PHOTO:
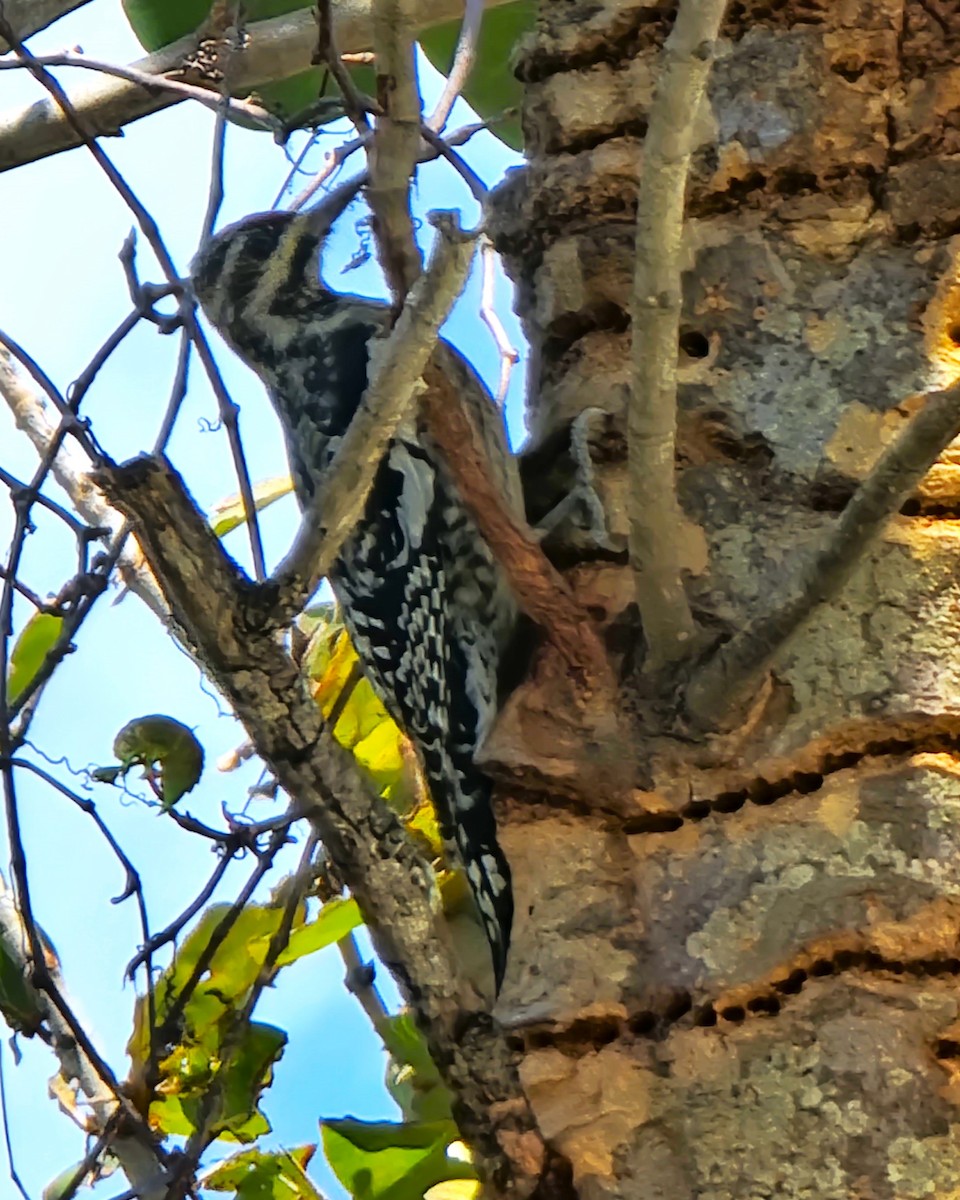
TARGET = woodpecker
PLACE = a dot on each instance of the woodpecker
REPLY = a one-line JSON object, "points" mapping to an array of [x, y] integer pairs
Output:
{"points": [[425, 601]]}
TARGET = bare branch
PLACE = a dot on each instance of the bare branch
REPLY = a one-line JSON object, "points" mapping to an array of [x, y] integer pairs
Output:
{"points": [[71, 471], [736, 666], [395, 147], [251, 113], [393, 387], [463, 59], [509, 355], [327, 53], [654, 511], [273, 49]]}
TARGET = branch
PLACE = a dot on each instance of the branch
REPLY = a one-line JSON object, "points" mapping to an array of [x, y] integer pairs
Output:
{"points": [[654, 511], [339, 504], [273, 49], [140, 1160], [463, 59], [726, 677], [71, 472], [30, 16], [217, 608], [395, 146], [250, 112]]}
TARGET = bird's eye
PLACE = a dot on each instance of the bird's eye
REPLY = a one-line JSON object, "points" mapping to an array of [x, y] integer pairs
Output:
{"points": [[262, 241]]}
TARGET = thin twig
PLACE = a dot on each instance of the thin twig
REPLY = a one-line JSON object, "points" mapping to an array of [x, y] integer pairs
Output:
{"points": [[218, 935], [228, 410], [390, 394], [278, 47], [79, 528], [239, 1024], [30, 416], [141, 1158], [459, 164], [736, 666], [86, 1165], [655, 517], [359, 979], [251, 113], [178, 392], [327, 53], [463, 59], [7, 1141], [509, 355]]}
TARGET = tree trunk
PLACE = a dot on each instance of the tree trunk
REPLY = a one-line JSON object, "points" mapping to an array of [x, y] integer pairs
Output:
{"points": [[735, 964]]}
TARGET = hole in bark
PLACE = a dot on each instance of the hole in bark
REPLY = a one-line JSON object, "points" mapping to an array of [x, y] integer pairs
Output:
{"points": [[848, 71], [707, 1015], [696, 810], [728, 802], [694, 344], [823, 966], [652, 822], [947, 1048], [953, 333], [735, 1012], [679, 1006], [807, 781], [793, 182], [792, 984], [764, 1004], [845, 959], [643, 1023]]}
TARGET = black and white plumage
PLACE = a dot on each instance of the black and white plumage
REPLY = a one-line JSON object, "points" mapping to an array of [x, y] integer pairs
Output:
{"points": [[423, 598]]}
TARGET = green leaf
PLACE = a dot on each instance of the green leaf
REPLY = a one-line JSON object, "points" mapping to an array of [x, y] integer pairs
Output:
{"points": [[19, 1003], [412, 1077], [239, 1070], [382, 1160], [206, 1050], [492, 86], [227, 514], [237, 960], [336, 919], [36, 640], [149, 741], [156, 23], [58, 1186], [260, 1175]]}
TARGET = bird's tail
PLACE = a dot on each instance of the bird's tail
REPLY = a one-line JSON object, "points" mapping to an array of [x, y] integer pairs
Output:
{"points": [[462, 796]]}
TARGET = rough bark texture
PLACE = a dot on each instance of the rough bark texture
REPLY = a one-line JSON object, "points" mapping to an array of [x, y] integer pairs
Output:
{"points": [[735, 969]]}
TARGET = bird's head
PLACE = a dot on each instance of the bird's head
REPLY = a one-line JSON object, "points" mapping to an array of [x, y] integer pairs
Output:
{"points": [[241, 270]]}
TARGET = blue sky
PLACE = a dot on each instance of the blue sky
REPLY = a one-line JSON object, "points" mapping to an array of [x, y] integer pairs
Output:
{"points": [[63, 292]]}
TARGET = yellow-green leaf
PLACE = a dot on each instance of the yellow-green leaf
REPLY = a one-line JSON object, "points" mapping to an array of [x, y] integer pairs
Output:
{"points": [[336, 919], [261, 1175], [382, 1160], [227, 514], [36, 640]]}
